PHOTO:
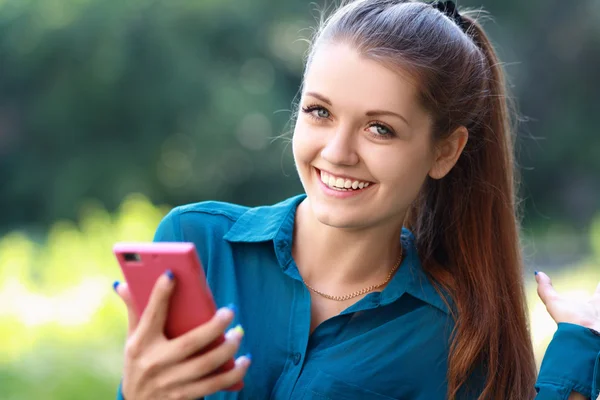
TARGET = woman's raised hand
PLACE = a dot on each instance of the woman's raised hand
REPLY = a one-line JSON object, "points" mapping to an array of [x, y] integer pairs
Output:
{"points": [[159, 368], [562, 309]]}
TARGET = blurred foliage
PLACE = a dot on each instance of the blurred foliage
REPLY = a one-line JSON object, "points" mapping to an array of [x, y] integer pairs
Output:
{"points": [[173, 99], [63, 328]]}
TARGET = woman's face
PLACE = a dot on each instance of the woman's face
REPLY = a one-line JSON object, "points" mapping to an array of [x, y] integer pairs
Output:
{"points": [[362, 142]]}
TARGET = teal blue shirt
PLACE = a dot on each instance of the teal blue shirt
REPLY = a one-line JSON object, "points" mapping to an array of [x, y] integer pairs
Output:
{"points": [[389, 345]]}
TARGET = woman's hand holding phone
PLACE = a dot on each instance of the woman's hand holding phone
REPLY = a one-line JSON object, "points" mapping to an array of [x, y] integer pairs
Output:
{"points": [[156, 367]]}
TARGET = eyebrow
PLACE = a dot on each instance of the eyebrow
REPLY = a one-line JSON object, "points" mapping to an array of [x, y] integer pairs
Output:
{"points": [[371, 113]]}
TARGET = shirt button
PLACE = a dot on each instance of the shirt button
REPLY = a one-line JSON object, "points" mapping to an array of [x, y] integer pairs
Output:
{"points": [[297, 358]]}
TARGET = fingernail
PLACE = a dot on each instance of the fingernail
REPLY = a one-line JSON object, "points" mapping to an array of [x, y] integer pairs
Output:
{"points": [[238, 332], [223, 313], [244, 361], [169, 274], [536, 272], [116, 285], [239, 329], [233, 308]]}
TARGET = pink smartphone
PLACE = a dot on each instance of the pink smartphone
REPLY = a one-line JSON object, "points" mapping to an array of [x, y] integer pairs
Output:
{"points": [[191, 303]]}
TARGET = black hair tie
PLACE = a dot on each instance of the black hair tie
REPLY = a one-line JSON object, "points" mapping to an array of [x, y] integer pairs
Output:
{"points": [[449, 9]]}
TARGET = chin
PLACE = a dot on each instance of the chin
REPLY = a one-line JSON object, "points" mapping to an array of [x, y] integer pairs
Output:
{"points": [[339, 223], [338, 218]]}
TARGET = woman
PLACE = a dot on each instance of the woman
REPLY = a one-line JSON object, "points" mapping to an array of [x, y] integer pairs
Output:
{"points": [[398, 274]]}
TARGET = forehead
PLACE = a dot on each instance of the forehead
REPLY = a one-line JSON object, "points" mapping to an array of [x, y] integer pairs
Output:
{"points": [[349, 79]]}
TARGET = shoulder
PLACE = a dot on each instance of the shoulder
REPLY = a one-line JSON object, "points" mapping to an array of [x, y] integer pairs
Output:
{"points": [[198, 218], [216, 219], [218, 229], [209, 211]]}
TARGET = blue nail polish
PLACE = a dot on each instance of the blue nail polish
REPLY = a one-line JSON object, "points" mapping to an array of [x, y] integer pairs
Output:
{"points": [[233, 308], [116, 285], [248, 356], [169, 273], [536, 272]]}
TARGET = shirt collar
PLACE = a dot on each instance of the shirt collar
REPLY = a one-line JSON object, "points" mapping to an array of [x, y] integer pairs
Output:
{"points": [[276, 223], [261, 224], [412, 279]]}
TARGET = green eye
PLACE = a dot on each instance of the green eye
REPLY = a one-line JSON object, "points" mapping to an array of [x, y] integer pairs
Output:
{"points": [[322, 113], [380, 130], [317, 112]]}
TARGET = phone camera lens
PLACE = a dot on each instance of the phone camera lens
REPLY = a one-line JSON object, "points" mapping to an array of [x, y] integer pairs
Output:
{"points": [[132, 257]]}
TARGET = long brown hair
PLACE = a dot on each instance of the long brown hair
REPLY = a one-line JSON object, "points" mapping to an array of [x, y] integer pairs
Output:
{"points": [[466, 224]]}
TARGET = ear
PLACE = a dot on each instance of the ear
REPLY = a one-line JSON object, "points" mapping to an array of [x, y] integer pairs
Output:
{"points": [[447, 152]]}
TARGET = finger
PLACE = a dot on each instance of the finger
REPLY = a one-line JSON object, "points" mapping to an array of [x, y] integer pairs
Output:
{"points": [[200, 337], [218, 382], [132, 317], [206, 364], [545, 290], [155, 314]]}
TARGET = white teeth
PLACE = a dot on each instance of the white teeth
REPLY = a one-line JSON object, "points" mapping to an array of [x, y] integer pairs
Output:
{"points": [[341, 183]]}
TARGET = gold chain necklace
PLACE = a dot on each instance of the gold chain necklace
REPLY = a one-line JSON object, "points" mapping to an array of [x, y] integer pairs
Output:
{"points": [[362, 291]]}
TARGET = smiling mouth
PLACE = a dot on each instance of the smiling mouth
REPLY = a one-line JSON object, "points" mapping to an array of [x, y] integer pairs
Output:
{"points": [[340, 183]]}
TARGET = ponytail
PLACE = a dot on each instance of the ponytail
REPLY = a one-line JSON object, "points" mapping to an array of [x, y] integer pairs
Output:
{"points": [[468, 237]]}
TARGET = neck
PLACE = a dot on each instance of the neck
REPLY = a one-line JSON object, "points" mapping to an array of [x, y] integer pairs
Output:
{"points": [[334, 257]]}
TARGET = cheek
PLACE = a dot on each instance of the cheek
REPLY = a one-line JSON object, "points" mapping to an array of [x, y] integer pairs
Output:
{"points": [[297, 147], [304, 146], [407, 169]]}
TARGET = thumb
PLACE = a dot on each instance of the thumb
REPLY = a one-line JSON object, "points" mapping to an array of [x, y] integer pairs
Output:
{"points": [[155, 313], [545, 289], [132, 317]]}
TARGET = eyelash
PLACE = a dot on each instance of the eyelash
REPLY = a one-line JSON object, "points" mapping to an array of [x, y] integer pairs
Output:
{"points": [[308, 110]]}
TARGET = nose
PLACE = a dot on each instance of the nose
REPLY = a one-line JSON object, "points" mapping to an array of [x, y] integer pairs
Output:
{"points": [[340, 148]]}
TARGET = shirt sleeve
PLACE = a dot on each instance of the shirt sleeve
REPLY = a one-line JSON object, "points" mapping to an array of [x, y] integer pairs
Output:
{"points": [[571, 363]]}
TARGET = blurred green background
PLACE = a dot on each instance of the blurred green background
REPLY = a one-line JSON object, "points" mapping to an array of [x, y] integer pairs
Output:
{"points": [[111, 112]]}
